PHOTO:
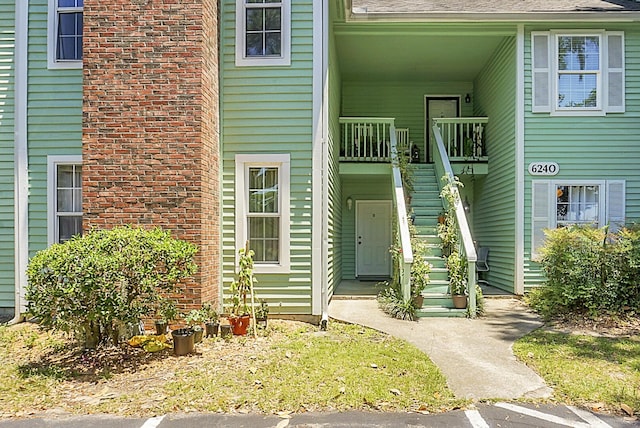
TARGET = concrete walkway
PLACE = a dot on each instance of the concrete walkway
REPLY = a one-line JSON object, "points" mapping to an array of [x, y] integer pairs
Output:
{"points": [[475, 355]]}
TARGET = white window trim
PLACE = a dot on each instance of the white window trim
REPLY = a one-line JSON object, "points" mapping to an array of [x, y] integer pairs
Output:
{"points": [[243, 162], [284, 59], [598, 110], [52, 164], [52, 38]]}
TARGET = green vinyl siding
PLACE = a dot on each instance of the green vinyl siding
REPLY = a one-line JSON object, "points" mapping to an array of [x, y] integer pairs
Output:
{"points": [[493, 209], [268, 109], [7, 115], [586, 147], [335, 191], [54, 120]]}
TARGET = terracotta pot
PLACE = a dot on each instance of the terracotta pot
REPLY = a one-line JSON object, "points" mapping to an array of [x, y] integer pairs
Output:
{"points": [[459, 301], [240, 324]]}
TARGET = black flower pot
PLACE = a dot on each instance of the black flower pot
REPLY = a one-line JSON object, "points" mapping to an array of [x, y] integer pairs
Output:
{"points": [[183, 343], [161, 328], [211, 329]]}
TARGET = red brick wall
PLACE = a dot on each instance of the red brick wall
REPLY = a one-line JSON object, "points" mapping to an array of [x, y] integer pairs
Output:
{"points": [[150, 124]]}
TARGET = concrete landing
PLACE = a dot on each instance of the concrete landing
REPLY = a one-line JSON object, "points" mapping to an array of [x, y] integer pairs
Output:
{"points": [[475, 355]]}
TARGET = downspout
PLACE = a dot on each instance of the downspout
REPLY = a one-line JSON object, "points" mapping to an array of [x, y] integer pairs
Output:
{"points": [[324, 297], [21, 167]]}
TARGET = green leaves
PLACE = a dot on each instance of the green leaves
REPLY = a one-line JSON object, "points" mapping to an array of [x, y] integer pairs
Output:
{"points": [[92, 284], [589, 270]]}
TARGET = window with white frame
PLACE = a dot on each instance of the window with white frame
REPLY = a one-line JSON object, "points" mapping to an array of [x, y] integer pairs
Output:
{"points": [[263, 32], [64, 197], [563, 203], [262, 209], [578, 73], [65, 33]]}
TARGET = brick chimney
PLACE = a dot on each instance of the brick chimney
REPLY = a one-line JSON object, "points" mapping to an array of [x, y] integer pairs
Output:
{"points": [[150, 124]]}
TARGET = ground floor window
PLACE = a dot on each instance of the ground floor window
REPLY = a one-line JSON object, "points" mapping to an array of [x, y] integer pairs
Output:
{"points": [[561, 203], [64, 197], [262, 209], [578, 204]]}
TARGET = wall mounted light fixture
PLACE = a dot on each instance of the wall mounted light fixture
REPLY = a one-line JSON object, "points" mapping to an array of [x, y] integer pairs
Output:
{"points": [[349, 203], [467, 98]]}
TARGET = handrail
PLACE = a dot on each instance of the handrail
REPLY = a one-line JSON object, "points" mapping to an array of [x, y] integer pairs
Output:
{"points": [[463, 137], [443, 168], [402, 223]]}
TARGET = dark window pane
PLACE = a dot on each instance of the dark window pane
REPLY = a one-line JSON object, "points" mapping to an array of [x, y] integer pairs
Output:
{"points": [[272, 19], [70, 3], [65, 176], [272, 227], [271, 251], [272, 44], [69, 226], [65, 200], [254, 45], [255, 19]]}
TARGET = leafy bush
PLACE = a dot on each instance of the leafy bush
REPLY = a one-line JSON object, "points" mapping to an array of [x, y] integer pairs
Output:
{"points": [[96, 284], [589, 270]]}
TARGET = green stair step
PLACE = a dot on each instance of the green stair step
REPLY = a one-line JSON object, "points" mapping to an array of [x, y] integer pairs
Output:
{"points": [[441, 313]]}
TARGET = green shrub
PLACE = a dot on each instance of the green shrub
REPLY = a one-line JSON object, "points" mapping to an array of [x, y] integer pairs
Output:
{"points": [[589, 270], [94, 285]]}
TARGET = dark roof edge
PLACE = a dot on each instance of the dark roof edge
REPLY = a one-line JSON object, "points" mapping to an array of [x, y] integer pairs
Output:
{"points": [[625, 16]]}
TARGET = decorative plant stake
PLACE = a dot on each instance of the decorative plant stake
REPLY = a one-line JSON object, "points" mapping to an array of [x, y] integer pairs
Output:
{"points": [[243, 286]]}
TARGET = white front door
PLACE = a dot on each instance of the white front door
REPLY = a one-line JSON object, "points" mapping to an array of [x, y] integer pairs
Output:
{"points": [[439, 107], [373, 238]]}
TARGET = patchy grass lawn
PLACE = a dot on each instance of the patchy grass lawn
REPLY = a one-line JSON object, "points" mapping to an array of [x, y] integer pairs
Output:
{"points": [[601, 373], [293, 368]]}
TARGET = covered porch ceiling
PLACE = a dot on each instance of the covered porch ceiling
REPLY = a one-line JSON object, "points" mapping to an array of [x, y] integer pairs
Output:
{"points": [[408, 53]]}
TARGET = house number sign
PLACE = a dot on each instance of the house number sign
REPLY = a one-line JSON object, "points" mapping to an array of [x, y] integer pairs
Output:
{"points": [[543, 168]]}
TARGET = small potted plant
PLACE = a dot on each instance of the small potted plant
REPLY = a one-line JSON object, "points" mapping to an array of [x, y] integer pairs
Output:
{"points": [[240, 289], [457, 267], [194, 320], [166, 312], [211, 320], [262, 313]]}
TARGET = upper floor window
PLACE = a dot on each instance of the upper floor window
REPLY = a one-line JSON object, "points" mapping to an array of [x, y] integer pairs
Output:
{"points": [[64, 197], [262, 32], [65, 33], [578, 67], [578, 73]]}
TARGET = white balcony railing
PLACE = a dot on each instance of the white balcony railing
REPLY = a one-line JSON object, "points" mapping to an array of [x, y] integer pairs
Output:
{"points": [[365, 139], [463, 137]]}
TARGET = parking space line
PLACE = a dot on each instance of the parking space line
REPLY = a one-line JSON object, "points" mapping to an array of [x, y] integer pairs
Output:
{"points": [[475, 418], [544, 416], [153, 422], [589, 417]]}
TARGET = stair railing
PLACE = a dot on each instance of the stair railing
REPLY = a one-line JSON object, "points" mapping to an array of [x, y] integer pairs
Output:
{"points": [[402, 223], [443, 168]]}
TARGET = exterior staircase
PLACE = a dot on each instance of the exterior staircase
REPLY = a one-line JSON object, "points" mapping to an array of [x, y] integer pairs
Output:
{"points": [[427, 205]]}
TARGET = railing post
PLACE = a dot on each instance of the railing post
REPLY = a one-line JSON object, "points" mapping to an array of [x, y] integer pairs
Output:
{"points": [[471, 288]]}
